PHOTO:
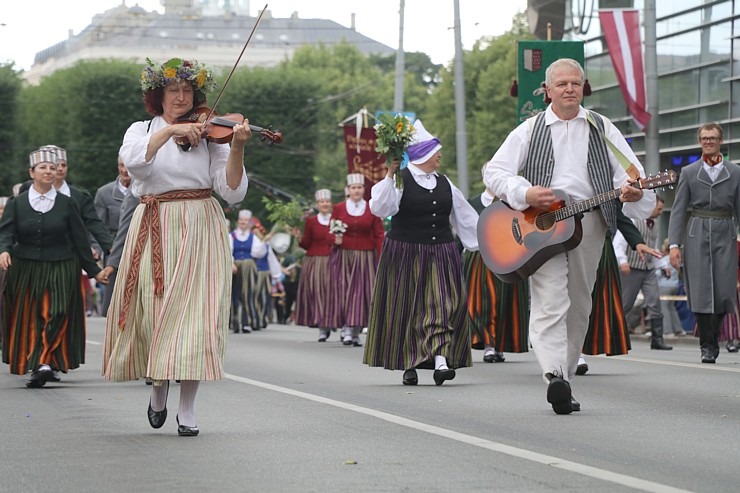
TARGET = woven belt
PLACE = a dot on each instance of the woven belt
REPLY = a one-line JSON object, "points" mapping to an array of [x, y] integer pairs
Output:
{"points": [[712, 214], [150, 225]]}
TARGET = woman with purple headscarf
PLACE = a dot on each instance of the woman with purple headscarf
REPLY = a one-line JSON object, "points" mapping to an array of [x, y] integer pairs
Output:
{"points": [[418, 310]]}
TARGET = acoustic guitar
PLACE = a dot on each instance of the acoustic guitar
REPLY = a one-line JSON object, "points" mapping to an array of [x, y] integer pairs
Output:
{"points": [[514, 244]]}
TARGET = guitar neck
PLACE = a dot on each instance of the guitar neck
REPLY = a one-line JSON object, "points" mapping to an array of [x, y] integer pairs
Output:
{"points": [[581, 206]]}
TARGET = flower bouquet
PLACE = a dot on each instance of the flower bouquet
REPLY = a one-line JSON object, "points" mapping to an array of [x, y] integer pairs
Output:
{"points": [[337, 227], [392, 136], [290, 214]]}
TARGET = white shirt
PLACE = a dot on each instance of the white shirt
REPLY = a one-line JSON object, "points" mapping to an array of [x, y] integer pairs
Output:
{"points": [[42, 202], [570, 173], [356, 209], [173, 169], [64, 189], [324, 219], [259, 247], [124, 190], [486, 198], [713, 171], [386, 199]]}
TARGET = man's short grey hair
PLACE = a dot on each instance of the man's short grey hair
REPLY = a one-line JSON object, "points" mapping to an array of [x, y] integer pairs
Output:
{"points": [[562, 63]]}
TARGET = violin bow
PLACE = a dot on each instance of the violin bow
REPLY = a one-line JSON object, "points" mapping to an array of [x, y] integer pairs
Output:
{"points": [[226, 83]]}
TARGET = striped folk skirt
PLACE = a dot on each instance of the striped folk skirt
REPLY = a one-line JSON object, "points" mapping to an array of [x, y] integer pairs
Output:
{"points": [[44, 316], [182, 333], [498, 312], [313, 292], [243, 310], [418, 308], [262, 300], [607, 328], [351, 280], [730, 329]]}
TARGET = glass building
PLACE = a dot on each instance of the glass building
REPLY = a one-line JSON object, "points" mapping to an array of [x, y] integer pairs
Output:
{"points": [[698, 75]]}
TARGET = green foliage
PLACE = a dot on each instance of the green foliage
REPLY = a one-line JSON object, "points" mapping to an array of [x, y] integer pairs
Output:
{"points": [[12, 160], [291, 213]]}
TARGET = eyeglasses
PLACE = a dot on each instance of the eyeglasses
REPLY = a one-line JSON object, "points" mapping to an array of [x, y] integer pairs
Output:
{"points": [[709, 139]]}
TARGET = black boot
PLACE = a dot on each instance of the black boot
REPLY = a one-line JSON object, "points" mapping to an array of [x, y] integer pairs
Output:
{"points": [[707, 337], [656, 337]]}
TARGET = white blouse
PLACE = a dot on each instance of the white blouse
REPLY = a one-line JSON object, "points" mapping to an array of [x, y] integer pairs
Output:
{"points": [[171, 168]]}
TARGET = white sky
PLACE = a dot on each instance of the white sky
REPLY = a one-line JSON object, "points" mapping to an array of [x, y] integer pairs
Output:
{"points": [[32, 25]]}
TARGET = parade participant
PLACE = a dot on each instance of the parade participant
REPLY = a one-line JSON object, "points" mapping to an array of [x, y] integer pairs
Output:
{"points": [[418, 317], [638, 275], [245, 248], [498, 312], [3, 201], [703, 223], [108, 201], [562, 148], [268, 273], [43, 246], [352, 262], [101, 240], [169, 315], [313, 284]]}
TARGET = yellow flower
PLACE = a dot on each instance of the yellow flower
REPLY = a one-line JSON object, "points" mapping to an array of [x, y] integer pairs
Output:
{"points": [[201, 78], [399, 127], [170, 73]]}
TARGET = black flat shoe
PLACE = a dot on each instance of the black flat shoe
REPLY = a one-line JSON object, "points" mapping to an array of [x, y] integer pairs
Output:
{"points": [[55, 376], [576, 405], [558, 395], [582, 369], [186, 431], [441, 375], [731, 347], [410, 377], [157, 418], [493, 357]]}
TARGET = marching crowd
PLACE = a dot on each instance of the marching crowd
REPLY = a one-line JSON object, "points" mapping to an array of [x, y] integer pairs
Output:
{"points": [[177, 277]]}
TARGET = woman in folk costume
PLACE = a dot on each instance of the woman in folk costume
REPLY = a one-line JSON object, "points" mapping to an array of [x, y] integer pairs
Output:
{"points": [[498, 312], [43, 245], [169, 316], [245, 248], [418, 317], [313, 285], [352, 262], [268, 272]]}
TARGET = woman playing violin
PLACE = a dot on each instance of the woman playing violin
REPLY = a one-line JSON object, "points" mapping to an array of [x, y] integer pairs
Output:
{"points": [[169, 315]]}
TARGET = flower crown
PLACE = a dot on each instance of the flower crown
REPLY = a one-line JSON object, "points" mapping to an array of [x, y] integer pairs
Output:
{"points": [[198, 75]]}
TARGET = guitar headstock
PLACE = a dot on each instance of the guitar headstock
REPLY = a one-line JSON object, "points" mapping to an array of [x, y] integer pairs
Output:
{"points": [[662, 179]]}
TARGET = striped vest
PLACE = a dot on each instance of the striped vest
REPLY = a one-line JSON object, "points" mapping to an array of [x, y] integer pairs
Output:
{"points": [[540, 164], [650, 235]]}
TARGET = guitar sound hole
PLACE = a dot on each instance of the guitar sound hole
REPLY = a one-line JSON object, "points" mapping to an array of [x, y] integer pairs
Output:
{"points": [[544, 221]]}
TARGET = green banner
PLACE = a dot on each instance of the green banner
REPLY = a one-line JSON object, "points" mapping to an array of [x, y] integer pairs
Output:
{"points": [[533, 58]]}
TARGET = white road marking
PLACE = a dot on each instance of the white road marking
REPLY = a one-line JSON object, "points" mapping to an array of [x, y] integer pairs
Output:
{"points": [[703, 366], [548, 460]]}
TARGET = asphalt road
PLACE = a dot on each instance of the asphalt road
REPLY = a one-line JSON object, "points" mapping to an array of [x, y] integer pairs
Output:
{"points": [[295, 415]]}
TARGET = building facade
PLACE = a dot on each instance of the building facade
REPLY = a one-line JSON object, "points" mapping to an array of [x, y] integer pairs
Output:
{"points": [[212, 30]]}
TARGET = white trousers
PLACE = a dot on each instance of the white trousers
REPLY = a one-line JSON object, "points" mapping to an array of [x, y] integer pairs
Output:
{"points": [[561, 300]]}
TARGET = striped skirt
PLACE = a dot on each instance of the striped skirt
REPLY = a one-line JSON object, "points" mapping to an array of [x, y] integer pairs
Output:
{"points": [[44, 316], [730, 330], [313, 292], [243, 310], [182, 333], [351, 280], [418, 308], [498, 312], [262, 300], [607, 328]]}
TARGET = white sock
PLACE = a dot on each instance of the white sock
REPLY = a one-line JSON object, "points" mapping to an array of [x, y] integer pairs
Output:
{"points": [[440, 363], [159, 394], [186, 411]]}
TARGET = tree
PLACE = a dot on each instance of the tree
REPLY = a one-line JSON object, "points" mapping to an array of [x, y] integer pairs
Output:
{"points": [[12, 158]]}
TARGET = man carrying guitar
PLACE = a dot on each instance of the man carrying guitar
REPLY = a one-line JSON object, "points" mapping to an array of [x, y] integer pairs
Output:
{"points": [[564, 153]]}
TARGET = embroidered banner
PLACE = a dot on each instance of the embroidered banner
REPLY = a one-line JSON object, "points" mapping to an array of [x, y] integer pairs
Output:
{"points": [[362, 157]]}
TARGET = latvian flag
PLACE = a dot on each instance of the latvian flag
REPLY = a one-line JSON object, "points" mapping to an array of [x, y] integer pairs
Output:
{"points": [[622, 33]]}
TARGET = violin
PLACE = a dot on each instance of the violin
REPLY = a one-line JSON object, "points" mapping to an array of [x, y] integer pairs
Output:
{"points": [[220, 128]]}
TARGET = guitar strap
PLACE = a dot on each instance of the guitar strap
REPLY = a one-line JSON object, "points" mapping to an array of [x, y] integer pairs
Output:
{"points": [[630, 168]]}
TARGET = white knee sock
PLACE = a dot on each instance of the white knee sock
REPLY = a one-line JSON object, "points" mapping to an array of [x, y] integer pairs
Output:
{"points": [[186, 411], [440, 363], [159, 395]]}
